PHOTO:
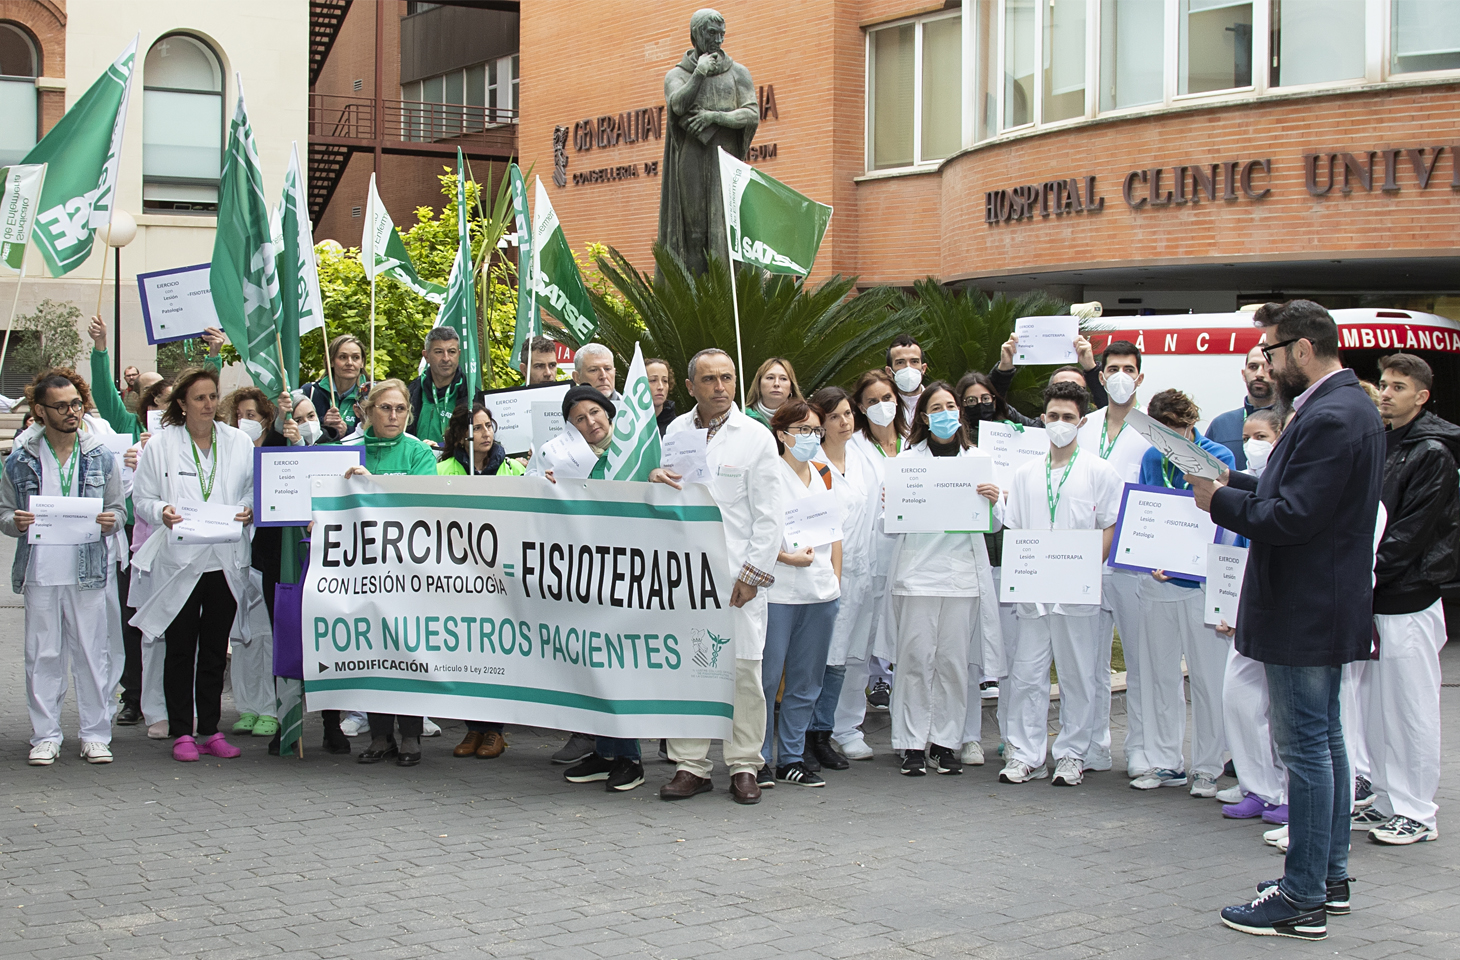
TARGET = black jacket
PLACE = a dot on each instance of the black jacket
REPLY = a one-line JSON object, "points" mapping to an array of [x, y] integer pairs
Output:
{"points": [[1308, 597], [666, 416], [1422, 496], [318, 393], [458, 392], [1004, 379]]}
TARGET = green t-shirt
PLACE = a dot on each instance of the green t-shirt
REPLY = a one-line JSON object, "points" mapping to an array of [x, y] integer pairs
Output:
{"points": [[436, 409], [402, 455]]}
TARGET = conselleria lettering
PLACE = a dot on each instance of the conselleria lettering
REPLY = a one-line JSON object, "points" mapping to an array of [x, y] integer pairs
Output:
{"points": [[579, 573]]}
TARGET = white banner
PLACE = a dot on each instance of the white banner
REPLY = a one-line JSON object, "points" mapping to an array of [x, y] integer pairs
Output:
{"points": [[593, 606]]}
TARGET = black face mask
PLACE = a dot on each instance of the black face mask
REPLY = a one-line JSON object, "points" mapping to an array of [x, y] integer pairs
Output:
{"points": [[974, 412]]}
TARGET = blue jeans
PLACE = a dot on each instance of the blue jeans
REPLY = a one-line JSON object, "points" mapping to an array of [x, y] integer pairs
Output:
{"points": [[611, 748], [823, 718], [1309, 737], [797, 637]]}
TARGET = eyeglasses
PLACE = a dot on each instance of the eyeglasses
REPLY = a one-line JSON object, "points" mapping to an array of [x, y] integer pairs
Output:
{"points": [[398, 409], [976, 402], [75, 406], [1267, 350], [805, 431]]}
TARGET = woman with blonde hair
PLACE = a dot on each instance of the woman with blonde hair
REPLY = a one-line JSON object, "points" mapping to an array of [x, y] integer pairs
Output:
{"points": [[774, 384]]}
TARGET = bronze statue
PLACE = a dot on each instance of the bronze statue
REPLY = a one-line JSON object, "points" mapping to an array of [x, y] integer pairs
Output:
{"points": [[711, 104]]}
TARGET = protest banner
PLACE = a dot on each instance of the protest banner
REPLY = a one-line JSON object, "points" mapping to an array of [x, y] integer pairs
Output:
{"points": [[592, 605]]}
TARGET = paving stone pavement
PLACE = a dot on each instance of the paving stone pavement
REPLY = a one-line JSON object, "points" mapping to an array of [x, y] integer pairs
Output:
{"points": [[324, 858]]}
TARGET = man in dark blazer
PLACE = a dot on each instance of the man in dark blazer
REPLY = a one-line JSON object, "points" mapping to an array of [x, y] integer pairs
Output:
{"points": [[1307, 600]]}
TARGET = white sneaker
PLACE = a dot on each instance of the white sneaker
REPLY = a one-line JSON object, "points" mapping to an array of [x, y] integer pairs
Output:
{"points": [[1016, 772], [428, 728], [1273, 837], [44, 753], [972, 754], [856, 749], [1400, 831], [1282, 845], [352, 727], [1154, 778], [1067, 773], [1232, 794], [1203, 786], [1099, 764], [95, 752], [157, 731]]}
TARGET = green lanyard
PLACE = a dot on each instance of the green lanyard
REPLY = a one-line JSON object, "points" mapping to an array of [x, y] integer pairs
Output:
{"points": [[1167, 479], [1106, 448], [437, 398], [1049, 489], [207, 488], [65, 478]]}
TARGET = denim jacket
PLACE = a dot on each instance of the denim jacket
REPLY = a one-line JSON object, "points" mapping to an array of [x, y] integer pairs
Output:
{"points": [[97, 476]]}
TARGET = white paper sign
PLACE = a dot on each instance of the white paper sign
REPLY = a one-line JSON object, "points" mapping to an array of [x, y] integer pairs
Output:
{"points": [[684, 453], [547, 422], [1051, 566], [813, 521], [568, 456], [513, 412], [177, 304], [1046, 340], [207, 522], [1162, 529], [1225, 568], [154, 422], [1184, 454], [281, 480], [937, 494], [65, 520], [119, 444], [1011, 448]]}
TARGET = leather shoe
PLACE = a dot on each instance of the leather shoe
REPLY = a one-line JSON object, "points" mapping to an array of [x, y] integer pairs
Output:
{"points": [[493, 744], [376, 753], [684, 785], [129, 715], [469, 745], [818, 744], [744, 789]]}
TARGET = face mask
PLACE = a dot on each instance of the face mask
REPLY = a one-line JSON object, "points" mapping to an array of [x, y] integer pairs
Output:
{"points": [[943, 423], [1257, 453], [252, 428], [1061, 434], [309, 432], [983, 410], [882, 413], [908, 379], [807, 446], [1120, 386]]}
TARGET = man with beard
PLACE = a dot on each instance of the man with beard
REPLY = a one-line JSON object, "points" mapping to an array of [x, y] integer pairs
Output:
{"points": [[1227, 428], [1307, 600]]}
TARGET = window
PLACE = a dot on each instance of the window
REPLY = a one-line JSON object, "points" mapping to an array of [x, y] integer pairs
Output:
{"points": [[1019, 60], [892, 96], [1317, 41], [484, 94], [502, 89], [1132, 53], [916, 97], [1064, 60], [1215, 45], [986, 72], [182, 125], [1424, 35], [19, 65], [942, 111]]}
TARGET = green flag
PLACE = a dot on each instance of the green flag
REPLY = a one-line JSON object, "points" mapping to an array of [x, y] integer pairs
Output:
{"points": [[289, 701], [557, 284], [20, 192], [383, 251], [635, 450], [769, 225], [244, 274], [82, 152], [301, 309], [529, 322], [459, 309]]}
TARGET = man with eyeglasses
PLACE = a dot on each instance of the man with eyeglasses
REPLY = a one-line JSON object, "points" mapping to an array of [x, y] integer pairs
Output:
{"points": [[1226, 428], [65, 582], [1307, 600]]}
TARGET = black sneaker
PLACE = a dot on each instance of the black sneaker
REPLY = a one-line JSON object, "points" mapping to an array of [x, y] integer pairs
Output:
{"points": [[1363, 792], [595, 767], [943, 760], [1271, 915], [764, 778], [1335, 900], [624, 774], [129, 716], [818, 745], [664, 752], [798, 774], [914, 764], [879, 695]]}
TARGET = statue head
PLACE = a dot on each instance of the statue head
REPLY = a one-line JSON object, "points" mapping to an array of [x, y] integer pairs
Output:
{"points": [[707, 30]]}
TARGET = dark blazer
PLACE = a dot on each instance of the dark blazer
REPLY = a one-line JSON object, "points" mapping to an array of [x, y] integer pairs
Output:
{"points": [[1307, 597]]}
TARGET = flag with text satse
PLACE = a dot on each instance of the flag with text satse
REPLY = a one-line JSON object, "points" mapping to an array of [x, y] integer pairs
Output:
{"points": [[529, 322], [244, 274], [635, 451], [770, 225], [20, 192], [557, 283], [459, 308], [82, 152], [383, 251], [301, 308]]}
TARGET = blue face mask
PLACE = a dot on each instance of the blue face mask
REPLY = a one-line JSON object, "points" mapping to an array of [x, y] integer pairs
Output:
{"points": [[943, 423], [807, 446]]}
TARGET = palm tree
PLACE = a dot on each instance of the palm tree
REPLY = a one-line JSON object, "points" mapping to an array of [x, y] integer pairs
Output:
{"points": [[963, 330], [827, 334]]}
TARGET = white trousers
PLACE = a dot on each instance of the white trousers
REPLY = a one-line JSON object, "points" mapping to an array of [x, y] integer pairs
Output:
{"points": [[851, 706], [154, 700], [1171, 630], [66, 632], [116, 648], [973, 721], [253, 676], [1074, 643], [1120, 612], [1246, 711], [1351, 716], [1401, 696], [930, 685], [742, 750]]}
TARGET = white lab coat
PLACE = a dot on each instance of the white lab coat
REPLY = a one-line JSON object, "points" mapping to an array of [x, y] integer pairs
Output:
{"points": [[743, 462], [859, 491]]}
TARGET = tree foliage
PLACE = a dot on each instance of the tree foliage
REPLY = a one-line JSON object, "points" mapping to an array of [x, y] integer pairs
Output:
{"points": [[56, 341]]}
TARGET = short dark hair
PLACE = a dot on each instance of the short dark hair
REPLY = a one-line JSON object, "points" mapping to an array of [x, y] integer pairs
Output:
{"points": [[920, 430], [439, 333], [1174, 409], [261, 400], [904, 340], [1408, 365], [1072, 392], [1301, 320], [794, 410], [1120, 348], [537, 345]]}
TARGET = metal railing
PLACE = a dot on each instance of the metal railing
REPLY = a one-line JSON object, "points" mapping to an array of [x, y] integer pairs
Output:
{"points": [[407, 121]]}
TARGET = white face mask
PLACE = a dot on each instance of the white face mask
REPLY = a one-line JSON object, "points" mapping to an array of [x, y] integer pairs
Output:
{"points": [[253, 428], [309, 432], [1120, 386], [882, 413], [908, 379], [1257, 452], [1061, 434]]}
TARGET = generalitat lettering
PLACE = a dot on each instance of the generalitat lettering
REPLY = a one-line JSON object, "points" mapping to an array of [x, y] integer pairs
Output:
{"points": [[617, 576]]}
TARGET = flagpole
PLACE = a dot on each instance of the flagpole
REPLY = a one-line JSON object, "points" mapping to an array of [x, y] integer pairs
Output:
{"points": [[735, 303], [101, 288], [370, 374], [329, 368], [10, 326]]}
